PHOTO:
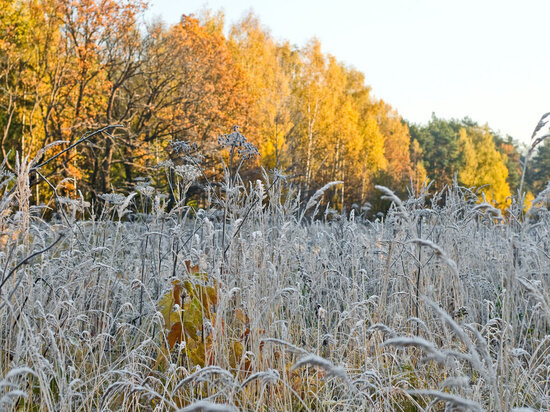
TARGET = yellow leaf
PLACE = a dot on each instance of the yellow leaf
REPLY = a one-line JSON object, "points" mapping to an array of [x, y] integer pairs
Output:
{"points": [[235, 354], [166, 304], [240, 315], [196, 352], [192, 318], [176, 316]]}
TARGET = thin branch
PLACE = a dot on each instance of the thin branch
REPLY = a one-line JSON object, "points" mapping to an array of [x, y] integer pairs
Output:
{"points": [[83, 139], [26, 260]]}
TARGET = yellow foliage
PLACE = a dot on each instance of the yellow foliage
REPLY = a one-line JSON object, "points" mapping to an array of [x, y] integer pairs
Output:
{"points": [[484, 165], [373, 145], [528, 201]]}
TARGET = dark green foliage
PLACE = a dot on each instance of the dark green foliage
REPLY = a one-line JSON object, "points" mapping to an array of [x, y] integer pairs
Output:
{"points": [[539, 169], [440, 147]]}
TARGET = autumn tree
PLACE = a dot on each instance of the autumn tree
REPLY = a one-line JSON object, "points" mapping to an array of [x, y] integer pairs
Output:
{"points": [[483, 164], [340, 132], [103, 42], [191, 89], [69, 67], [26, 39], [62, 85], [397, 141], [268, 67], [371, 157], [310, 114]]}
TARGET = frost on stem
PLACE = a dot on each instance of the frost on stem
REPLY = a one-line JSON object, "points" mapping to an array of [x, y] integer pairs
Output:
{"points": [[314, 360], [202, 375], [206, 406], [427, 346], [266, 377], [454, 400]]}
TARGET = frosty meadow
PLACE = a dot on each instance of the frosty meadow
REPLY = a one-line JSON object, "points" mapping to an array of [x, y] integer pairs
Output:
{"points": [[263, 300]]}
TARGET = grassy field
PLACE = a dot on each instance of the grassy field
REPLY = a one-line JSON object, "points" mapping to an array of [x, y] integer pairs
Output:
{"points": [[442, 304]]}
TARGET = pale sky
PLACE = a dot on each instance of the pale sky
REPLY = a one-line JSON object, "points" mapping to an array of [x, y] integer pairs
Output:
{"points": [[485, 59]]}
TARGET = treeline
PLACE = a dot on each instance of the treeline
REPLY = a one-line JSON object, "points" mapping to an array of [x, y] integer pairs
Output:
{"points": [[68, 67]]}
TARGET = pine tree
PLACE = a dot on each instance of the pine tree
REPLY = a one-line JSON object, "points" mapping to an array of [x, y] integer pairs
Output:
{"points": [[540, 167]]}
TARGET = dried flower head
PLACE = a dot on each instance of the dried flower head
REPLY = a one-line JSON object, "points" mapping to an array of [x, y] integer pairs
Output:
{"points": [[278, 174], [249, 150], [145, 189], [165, 164], [187, 172], [78, 204], [183, 146], [236, 140], [113, 198]]}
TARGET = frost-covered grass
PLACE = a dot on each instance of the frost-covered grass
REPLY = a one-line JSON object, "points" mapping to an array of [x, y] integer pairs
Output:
{"points": [[440, 303]]}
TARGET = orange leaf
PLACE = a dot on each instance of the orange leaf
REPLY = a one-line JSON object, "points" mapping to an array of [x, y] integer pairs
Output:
{"points": [[178, 288], [175, 334], [191, 269], [244, 336]]}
